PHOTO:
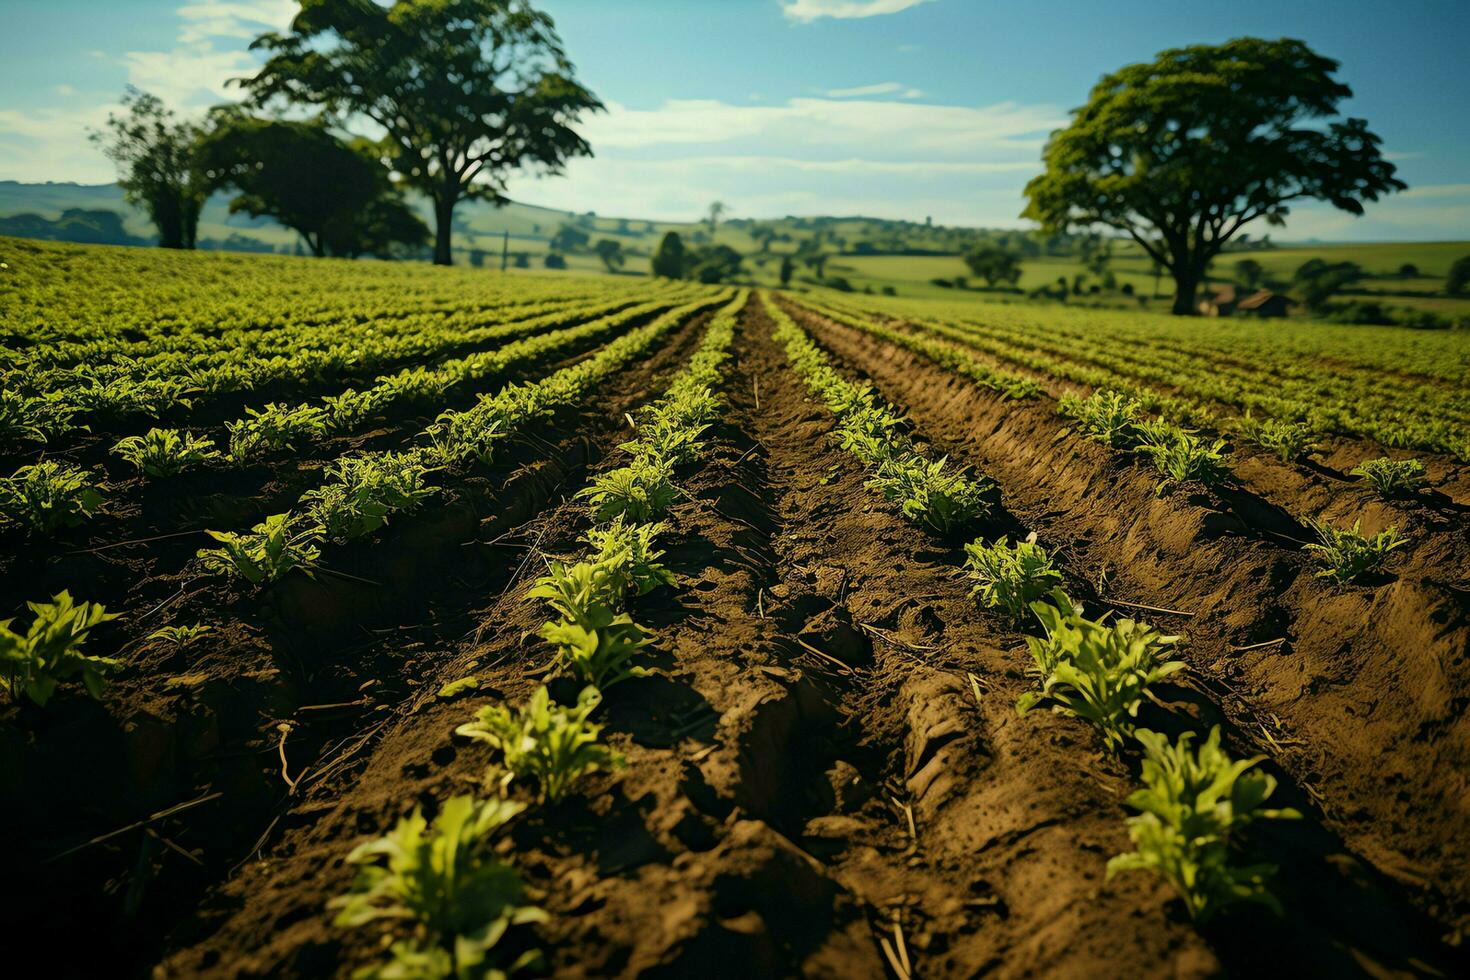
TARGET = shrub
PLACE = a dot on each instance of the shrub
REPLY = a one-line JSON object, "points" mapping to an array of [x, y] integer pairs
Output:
{"points": [[450, 884], [1096, 670], [50, 651], [1192, 803], [1010, 578], [49, 495], [1346, 554], [269, 551], [545, 742], [1392, 477], [166, 452]]}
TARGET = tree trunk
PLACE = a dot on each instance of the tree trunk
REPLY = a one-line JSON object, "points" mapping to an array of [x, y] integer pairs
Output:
{"points": [[1186, 284], [443, 227]]}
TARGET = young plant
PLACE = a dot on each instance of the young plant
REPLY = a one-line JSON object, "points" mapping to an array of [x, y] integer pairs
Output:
{"points": [[50, 651], [627, 553], [640, 491], [1094, 669], [1191, 805], [23, 418], [1010, 578], [928, 495], [49, 495], [275, 427], [449, 884], [547, 743], [593, 639], [269, 551], [1108, 417], [165, 452], [1288, 440], [1392, 477], [363, 490], [1345, 554], [181, 635], [1181, 457]]}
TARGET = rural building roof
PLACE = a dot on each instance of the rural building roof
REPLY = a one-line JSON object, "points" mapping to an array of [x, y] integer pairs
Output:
{"points": [[1260, 298]]}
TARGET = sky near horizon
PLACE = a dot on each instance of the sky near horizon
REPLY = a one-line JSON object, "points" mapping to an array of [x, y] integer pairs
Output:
{"points": [[890, 108]]}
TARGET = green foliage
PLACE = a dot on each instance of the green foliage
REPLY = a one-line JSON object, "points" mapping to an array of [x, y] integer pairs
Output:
{"points": [[50, 651], [627, 554], [592, 638], [1181, 457], [929, 496], [449, 885], [182, 634], [271, 549], [550, 744], [1094, 669], [669, 260], [1345, 554], [640, 491], [1182, 152], [49, 495], [1458, 279], [1108, 417], [1193, 802], [23, 417], [1010, 577], [274, 427], [165, 452], [363, 490], [994, 264], [1290, 441], [158, 165], [1392, 477]]}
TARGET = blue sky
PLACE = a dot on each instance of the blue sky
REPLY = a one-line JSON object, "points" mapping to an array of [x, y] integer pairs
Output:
{"points": [[896, 108]]}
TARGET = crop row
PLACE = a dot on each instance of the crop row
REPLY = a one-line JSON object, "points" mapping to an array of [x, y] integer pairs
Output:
{"points": [[458, 897], [1194, 800], [1190, 386]]}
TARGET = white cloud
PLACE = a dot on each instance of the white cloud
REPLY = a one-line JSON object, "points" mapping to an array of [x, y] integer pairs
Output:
{"points": [[881, 88], [807, 11], [245, 19]]}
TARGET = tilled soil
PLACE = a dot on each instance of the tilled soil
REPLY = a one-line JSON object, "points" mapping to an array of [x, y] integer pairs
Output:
{"points": [[826, 772]]}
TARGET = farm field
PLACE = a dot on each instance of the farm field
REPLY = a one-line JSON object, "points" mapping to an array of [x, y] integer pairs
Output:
{"points": [[823, 633]]}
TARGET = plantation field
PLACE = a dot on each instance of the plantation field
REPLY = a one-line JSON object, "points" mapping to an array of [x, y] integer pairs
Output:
{"points": [[377, 618]]}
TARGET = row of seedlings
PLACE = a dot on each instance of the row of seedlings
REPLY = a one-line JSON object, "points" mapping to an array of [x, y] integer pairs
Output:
{"points": [[52, 494], [1180, 456], [458, 897], [1194, 800]]}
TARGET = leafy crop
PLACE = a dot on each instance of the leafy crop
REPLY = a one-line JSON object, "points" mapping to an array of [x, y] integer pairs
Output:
{"points": [[640, 491], [593, 639], [182, 634], [1392, 477], [929, 496], [1345, 554], [271, 549], [1108, 417], [275, 427], [1289, 440], [1181, 457], [627, 553], [363, 490], [1192, 804], [545, 742], [448, 885], [50, 650], [165, 452], [49, 495], [1010, 577], [1094, 669]]}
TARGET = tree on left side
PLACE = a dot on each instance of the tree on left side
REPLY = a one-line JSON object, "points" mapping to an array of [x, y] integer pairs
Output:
{"points": [[157, 163]]}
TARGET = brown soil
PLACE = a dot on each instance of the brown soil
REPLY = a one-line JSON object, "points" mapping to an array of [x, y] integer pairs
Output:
{"points": [[824, 766]]}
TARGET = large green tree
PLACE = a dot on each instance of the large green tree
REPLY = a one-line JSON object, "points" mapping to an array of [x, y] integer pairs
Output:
{"points": [[464, 92], [157, 162], [338, 196], [1182, 152], [994, 264]]}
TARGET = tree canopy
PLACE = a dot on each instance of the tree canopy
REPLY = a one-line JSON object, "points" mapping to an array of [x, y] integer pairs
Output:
{"points": [[463, 91], [337, 196], [1180, 153], [155, 153], [994, 264], [668, 261]]}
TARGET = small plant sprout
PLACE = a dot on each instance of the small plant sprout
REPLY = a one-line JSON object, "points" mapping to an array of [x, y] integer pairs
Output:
{"points": [[49, 495], [1010, 578], [362, 491], [1108, 417], [929, 496], [1345, 554], [50, 651], [1392, 477], [593, 640], [544, 742], [1181, 457], [274, 427], [1094, 669], [271, 549], [626, 551], [1192, 804], [166, 452], [640, 491], [1288, 440], [181, 635], [447, 882]]}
